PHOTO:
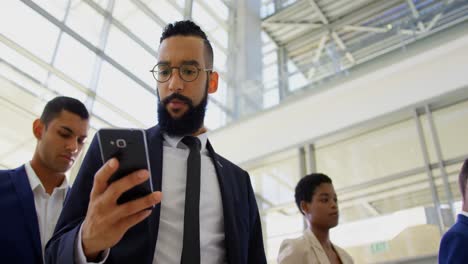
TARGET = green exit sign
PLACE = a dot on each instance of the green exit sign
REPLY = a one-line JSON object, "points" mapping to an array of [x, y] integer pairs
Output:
{"points": [[379, 247]]}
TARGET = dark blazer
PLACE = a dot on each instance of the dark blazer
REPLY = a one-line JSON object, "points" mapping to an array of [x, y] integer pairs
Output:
{"points": [[20, 240], [454, 244], [243, 234]]}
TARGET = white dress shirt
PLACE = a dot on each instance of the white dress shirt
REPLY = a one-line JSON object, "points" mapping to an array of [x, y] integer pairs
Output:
{"points": [[171, 224], [464, 213], [48, 207]]}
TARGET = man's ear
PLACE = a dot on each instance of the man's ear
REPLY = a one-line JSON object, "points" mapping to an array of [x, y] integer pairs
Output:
{"points": [[304, 207], [38, 128], [213, 82]]}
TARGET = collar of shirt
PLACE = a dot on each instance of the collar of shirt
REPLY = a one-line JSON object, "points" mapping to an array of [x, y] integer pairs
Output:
{"points": [[175, 141], [37, 184], [464, 213]]}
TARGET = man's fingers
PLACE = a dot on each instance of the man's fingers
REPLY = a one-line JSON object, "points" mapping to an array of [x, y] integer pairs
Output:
{"points": [[102, 176], [135, 206], [117, 188], [134, 219]]}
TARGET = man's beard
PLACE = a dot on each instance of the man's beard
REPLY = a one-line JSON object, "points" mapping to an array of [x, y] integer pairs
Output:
{"points": [[189, 123]]}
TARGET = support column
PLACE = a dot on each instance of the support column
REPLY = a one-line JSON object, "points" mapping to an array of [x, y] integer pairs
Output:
{"points": [[277, 4], [245, 90], [283, 76], [302, 171], [188, 9], [430, 176], [443, 173]]}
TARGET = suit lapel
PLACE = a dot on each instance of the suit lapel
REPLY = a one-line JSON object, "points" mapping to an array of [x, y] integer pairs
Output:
{"points": [[155, 148], [342, 255], [26, 198], [227, 196], [316, 247]]}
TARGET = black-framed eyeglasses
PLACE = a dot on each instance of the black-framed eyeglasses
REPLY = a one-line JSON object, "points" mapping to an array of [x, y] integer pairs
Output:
{"points": [[187, 72]]}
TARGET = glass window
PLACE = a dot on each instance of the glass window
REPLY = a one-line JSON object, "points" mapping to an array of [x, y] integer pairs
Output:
{"points": [[180, 3], [221, 36], [56, 8], [215, 116], [102, 3], [203, 17], [215, 31], [270, 73], [280, 226], [270, 58], [269, 46], [17, 64], [220, 94], [128, 96], [452, 172], [20, 154], [452, 128], [297, 81], [222, 11], [267, 8], [97, 123], [130, 55], [75, 60], [89, 28], [376, 189], [17, 117], [111, 116], [408, 234], [36, 35], [219, 59], [123, 10], [274, 179], [63, 88], [166, 10], [148, 30], [372, 155], [271, 97]]}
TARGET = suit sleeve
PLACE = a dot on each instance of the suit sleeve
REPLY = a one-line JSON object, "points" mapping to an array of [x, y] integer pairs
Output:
{"points": [[61, 247], [256, 248], [453, 248]]}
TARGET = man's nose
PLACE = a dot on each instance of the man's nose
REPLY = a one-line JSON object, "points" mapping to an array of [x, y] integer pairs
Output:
{"points": [[176, 84], [72, 145]]}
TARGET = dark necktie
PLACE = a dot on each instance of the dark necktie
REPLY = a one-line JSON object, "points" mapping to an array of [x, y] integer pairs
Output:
{"points": [[191, 246]]}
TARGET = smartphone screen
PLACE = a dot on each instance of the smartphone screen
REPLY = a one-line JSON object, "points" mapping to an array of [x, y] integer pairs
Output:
{"points": [[130, 148]]}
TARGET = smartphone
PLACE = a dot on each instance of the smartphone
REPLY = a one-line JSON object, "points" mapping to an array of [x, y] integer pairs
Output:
{"points": [[129, 146]]}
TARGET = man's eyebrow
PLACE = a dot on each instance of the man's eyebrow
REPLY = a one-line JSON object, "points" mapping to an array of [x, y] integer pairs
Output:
{"points": [[191, 62], [72, 132], [184, 62], [67, 129]]}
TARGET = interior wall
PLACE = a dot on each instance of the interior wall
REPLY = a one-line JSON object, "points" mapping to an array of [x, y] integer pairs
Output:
{"points": [[400, 80]]}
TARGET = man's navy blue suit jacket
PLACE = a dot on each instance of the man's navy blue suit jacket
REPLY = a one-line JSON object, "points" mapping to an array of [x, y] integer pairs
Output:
{"points": [[20, 240], [243, 234], [454, 244]]}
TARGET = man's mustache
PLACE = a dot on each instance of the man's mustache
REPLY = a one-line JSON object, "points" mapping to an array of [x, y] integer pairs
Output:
{"points": [[179, 97]]}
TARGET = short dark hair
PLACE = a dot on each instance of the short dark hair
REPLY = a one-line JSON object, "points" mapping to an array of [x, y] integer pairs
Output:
{"points": [[306, 187], [462, 178], [55, 106], [189, 28]]}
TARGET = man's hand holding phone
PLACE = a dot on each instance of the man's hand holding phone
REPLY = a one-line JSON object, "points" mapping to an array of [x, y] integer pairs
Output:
{"points": [[107, 221]]}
